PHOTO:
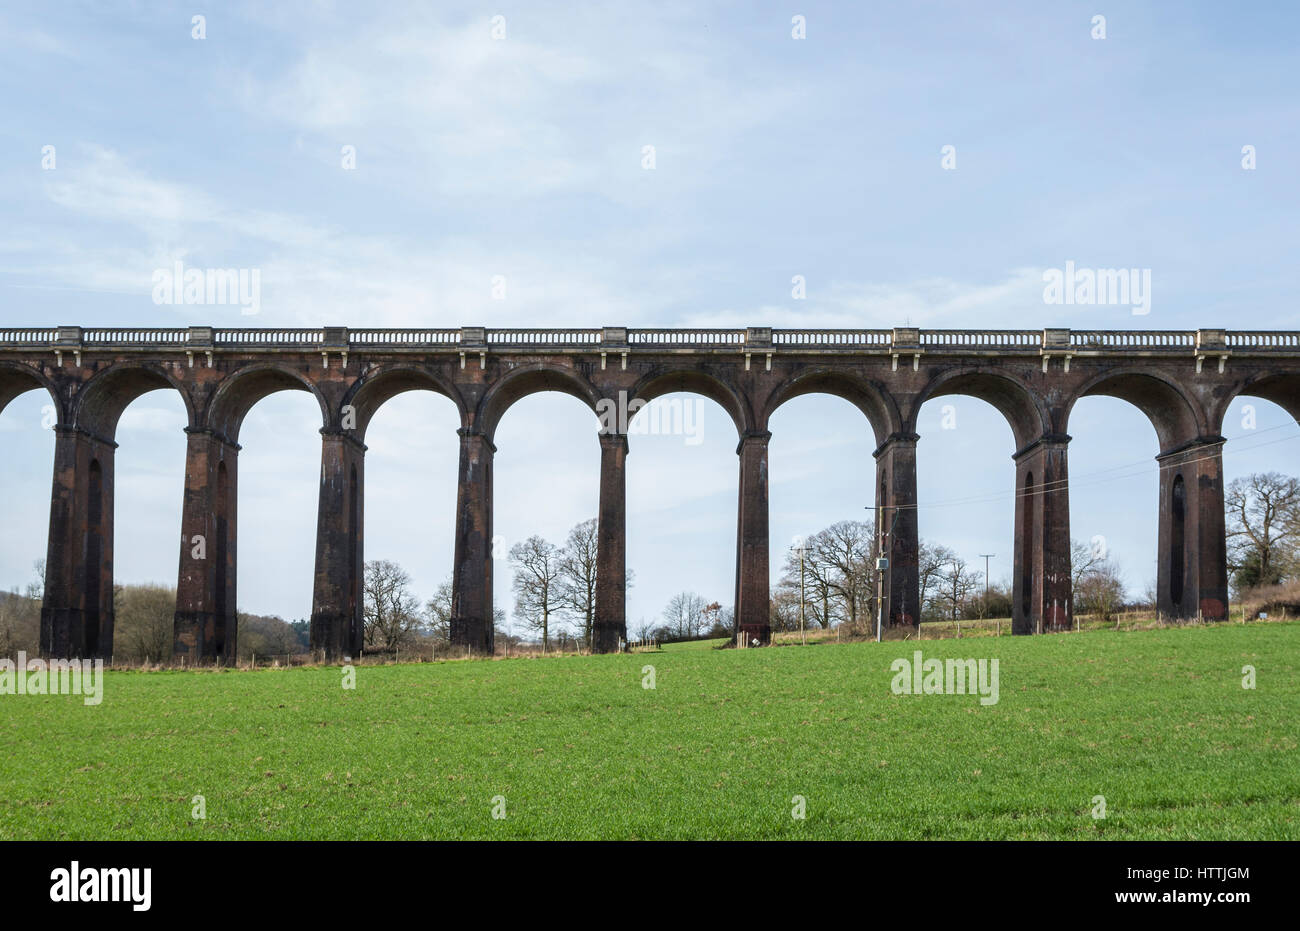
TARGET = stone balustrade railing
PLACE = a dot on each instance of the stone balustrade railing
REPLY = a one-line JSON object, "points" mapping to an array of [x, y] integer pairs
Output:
{"points": [[901, 340]]}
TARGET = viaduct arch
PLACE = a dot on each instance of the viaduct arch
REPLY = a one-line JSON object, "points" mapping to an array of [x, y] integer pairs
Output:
{"points": [[1183, 381]]}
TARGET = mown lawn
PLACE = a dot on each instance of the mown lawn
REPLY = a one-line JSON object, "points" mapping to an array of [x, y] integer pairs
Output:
{"points": [[1157, 722]]}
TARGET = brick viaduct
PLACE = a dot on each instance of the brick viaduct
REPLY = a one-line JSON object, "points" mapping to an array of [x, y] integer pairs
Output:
{"points": [[1182, 380]]}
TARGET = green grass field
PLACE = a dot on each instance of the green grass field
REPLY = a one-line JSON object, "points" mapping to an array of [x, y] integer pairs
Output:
{"points": [[1157, 722]]}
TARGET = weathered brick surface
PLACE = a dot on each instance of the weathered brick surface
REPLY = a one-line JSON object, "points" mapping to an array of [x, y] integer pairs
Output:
{"points": [[609, 626]]}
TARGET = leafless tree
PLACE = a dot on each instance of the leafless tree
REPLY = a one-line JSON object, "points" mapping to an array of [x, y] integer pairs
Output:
{"points": [[931, 560], [784, 612], [266, 635], [36, 587], [19, 624], [848, 549], [685, 614], [437, 613], [1084, 559], [390, 613], [1100, 592], [536, 584], [1263, 526], [576, 588], [955, 585], [144, 620], [1149, 597], [821, 606], [20, 616]]}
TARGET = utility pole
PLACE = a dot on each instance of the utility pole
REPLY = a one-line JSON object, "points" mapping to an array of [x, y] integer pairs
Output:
{"points": [[801, 547], [882, 562], [987, 557]]}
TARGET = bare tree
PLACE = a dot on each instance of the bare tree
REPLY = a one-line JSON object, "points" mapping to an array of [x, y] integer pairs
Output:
{"points": [[715, 620], [847, 548], [536, 584], [20, 623], [685, 614], [1100, 591], [144, 620], [1095, 581], [955, 584], [1263, 524], [437, 613], [820, 605], [266, 635], [390, 612], [784, 612], [931, 560], [838, 574], [36, 587], [576, 589], [1149, 595], [1084, 559]]}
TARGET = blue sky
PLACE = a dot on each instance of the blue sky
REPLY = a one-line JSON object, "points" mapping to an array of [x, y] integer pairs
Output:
{"points": [[522, 157]]}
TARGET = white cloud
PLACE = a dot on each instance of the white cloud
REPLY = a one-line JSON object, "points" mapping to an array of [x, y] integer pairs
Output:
{"points": [[563, 103]]}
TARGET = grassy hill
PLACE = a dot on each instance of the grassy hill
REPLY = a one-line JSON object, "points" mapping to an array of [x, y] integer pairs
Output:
{"points": [[1157, 722]]}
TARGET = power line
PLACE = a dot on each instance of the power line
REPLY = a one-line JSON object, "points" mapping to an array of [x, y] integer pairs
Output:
{"points": [[1091, 478]]}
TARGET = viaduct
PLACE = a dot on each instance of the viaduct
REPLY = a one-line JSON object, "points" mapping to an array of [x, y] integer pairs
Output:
{"points": [[1183, 381]]}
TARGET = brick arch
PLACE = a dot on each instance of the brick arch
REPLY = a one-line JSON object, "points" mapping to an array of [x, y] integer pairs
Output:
{"points": [[1024, 408], [697, 381], [99, 404], [526, 380], [1282, 389], [241, 389], [1174, 414], [17, 378], [868, 396], [378, 386]]}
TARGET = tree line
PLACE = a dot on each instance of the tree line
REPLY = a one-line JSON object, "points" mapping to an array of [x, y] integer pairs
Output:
{"points": [[143, 625], [554, 589]]}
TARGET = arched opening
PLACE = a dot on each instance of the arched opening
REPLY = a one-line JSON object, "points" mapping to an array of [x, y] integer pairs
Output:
{"points": [[265, 424], [1114, 507], [27, 420], [147, 496], [824, 499], [526, 381], [1280, 391], [1259, 463], [1115, 479], [408, 487], [969, 498], [111, 587], [272, 503], [682, 534], [1164, 403], [546, 484]]}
